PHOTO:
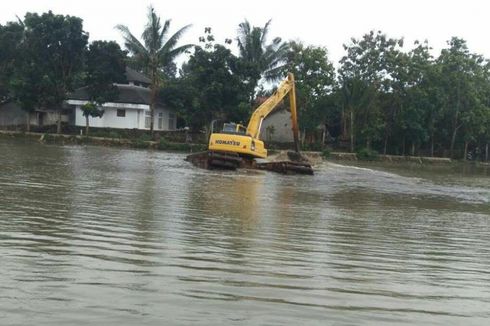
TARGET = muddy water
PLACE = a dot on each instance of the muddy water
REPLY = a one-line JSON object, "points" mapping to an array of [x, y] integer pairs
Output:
{"points": [[107, 236]]}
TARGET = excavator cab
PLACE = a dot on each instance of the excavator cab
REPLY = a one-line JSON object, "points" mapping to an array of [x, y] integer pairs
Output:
{"points": [[234, 129]]}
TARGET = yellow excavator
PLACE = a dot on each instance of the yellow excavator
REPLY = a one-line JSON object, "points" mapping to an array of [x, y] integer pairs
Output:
{"points": [[238, 146]]}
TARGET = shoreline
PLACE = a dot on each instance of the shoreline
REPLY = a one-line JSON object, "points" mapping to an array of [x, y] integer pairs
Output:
{"points": [[165, 145], [141, 143]]}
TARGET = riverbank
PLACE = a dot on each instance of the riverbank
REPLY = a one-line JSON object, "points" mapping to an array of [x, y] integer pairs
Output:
{"points": [[144, 142], [140, 142], [393, 158]]}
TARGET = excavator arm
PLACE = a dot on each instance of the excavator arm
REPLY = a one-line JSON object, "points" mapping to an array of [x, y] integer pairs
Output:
{"points": [[285, 88]]}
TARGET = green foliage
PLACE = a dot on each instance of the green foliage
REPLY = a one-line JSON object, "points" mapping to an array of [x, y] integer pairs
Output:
{"points": [[315, 78], [91, 109], [258, 58], [368, 70], [366, 154], [11, 36], [210, 87], [143, 141], [156, 53], [144, 137], [51, 57], [105, 65], [326, 153]]}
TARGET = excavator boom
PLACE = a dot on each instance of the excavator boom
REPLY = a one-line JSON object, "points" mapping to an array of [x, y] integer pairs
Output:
{"points": [[286, 87]]}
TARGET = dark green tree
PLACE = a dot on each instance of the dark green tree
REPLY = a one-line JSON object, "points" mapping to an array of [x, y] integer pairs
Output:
{"points": [[11, 37], [315, 78], [214, 76], [364, 75], [105, 65], [463, 75], [50, 60], [90, 109], [409, 98]]}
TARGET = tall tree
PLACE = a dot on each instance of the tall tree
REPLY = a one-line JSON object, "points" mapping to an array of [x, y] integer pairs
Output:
{"points": [[11, 37], [410, 97], [462, 73], [105, 65], [315, 78], [219, 93], [157, 52], [365, 73], [51, 58], [259, 58]]}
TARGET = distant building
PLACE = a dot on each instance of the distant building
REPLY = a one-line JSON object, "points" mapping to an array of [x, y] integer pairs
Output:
{"points": [[131, 110], [11, 115], [277, 127]]}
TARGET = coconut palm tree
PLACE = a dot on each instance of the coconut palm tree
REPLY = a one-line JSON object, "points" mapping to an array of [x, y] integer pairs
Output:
{"points": [[261, 59], [157, 51]]}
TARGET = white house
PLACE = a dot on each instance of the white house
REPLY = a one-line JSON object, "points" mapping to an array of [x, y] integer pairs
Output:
{"points": [[130, 111]]}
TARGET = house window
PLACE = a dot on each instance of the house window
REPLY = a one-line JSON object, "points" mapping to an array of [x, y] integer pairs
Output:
{"points": [[147, 119], [121, 113], [171, 121], [160, 120]]}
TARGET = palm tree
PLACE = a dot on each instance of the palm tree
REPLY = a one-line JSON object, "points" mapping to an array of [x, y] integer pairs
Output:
{"points": [[261, 59], [157, 51]]}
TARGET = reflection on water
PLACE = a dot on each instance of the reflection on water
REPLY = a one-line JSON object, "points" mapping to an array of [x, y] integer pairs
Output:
{"points": [[94, 235]]}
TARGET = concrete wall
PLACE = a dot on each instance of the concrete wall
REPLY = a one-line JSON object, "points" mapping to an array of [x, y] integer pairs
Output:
{"points": [[48, 118], [281, 122], [134, 119], [12, 115]]}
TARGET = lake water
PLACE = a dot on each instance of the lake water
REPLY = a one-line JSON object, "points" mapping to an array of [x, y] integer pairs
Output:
{"points": [[110, 236]]}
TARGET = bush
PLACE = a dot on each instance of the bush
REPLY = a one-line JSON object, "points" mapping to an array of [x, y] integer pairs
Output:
{"points": [[326, 153], [143, 141], [144, 137], [366, 154], [114, 134]]}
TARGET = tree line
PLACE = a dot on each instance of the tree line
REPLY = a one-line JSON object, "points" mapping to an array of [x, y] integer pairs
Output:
{"points": [[382, 95]]}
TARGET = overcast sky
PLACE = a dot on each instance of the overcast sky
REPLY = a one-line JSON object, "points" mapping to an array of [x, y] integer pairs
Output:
{"points": [[325, 23]]}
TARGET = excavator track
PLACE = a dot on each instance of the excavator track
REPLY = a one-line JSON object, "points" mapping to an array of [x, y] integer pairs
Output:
{"points": [[215, 160], [212, 160]]}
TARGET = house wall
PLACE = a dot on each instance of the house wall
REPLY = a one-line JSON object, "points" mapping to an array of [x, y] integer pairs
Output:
{"points": [[48, 118], [12, 115], [166, 123], [109, 119], [281, 122], [133, 119]]}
